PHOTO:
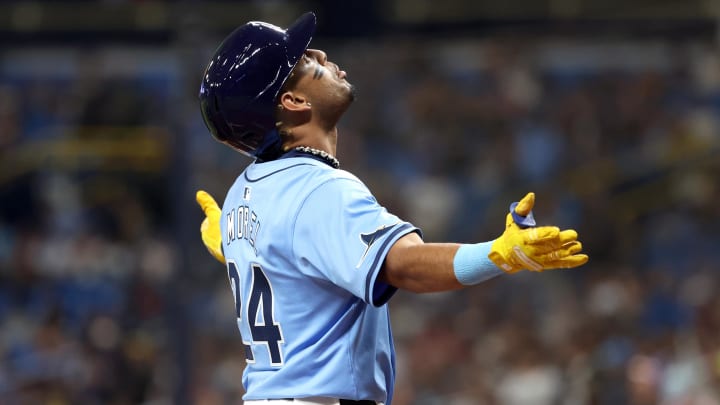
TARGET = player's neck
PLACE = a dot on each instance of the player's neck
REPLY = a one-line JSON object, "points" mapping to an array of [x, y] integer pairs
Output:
{"points": [[311, 137]]}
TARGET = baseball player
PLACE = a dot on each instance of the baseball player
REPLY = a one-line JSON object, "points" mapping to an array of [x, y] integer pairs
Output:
{"points": [[311, 256]]}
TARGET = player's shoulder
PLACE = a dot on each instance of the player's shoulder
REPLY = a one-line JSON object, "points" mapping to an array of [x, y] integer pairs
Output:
{"points": [[330, 178]]}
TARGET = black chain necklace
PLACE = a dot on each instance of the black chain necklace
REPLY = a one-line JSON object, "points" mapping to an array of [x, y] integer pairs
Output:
{"points": [[328, 158]]}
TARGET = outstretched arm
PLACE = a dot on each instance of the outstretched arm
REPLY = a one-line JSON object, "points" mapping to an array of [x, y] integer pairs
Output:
{"points": [[416, 266]]}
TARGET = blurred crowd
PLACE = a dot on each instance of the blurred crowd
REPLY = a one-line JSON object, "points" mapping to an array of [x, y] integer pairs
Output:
{"points": [[103, 302]]}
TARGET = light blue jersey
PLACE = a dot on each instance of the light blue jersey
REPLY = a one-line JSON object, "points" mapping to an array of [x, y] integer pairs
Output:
{"points": [[304, 244]]}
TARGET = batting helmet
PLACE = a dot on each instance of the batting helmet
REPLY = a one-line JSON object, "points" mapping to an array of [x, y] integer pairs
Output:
{"points": [[239, 90]]}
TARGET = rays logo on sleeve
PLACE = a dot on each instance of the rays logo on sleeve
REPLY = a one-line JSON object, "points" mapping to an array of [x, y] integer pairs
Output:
{"points": [[368, 239]]}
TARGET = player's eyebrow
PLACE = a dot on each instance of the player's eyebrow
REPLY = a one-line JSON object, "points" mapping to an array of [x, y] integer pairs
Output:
{"points": [[318, 73]]}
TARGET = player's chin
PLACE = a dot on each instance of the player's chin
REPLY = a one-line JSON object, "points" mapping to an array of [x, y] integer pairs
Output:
{"points": [[351, 92]]}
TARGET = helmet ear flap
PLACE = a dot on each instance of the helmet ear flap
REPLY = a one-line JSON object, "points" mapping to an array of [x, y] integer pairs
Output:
{"points": [[238, 93]]}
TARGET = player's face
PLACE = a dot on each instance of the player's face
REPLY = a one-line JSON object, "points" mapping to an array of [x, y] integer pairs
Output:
{"points": [[323, 81]]}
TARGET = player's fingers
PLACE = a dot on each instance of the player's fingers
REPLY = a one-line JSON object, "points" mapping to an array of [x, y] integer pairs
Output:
{"points": [[526, 204], [550, 238], [552, 251], [572, 248], [567, 236], [542, 235], [213, 247], [567, 262], [204, 225], [206, 201], [211, 239]]}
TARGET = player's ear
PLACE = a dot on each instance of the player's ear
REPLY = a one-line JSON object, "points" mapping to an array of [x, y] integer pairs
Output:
{"points": [[293, 101]]}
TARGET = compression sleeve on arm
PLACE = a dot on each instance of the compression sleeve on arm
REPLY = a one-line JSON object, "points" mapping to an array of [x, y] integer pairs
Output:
{"points": [[472, 265]]}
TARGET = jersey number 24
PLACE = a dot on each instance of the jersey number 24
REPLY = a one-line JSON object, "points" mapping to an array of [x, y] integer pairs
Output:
{"points": [[260, 302]]}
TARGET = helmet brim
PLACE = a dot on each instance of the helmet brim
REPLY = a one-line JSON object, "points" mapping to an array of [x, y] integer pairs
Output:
{"points": [[299, 35]]}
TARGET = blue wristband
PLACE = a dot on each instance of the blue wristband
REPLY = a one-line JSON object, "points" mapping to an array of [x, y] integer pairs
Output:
{"points": [[472, 265]]}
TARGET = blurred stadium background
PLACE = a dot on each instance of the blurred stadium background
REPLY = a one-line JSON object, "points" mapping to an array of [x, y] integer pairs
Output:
{"points": [[608, 110]]}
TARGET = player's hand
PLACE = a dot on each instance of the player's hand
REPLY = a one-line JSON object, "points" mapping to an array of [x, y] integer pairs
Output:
{"points": [[535, 248], [210, 227]]}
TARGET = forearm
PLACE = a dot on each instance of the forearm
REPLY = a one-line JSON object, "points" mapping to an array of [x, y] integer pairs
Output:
{"points": [[422, 268], [431, 267]]}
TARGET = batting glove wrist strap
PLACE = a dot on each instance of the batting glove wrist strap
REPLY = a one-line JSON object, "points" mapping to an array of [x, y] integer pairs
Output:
{"points": [[472, 266], [524, 221]]}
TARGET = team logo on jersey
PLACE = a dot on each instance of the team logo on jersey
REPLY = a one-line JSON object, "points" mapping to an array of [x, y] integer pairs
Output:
{"points": [[246, 193], [368, 239]]}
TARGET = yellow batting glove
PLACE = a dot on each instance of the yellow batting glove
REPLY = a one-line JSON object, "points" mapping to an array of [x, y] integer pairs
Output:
{"points": [[210, 227], [536, 248]]}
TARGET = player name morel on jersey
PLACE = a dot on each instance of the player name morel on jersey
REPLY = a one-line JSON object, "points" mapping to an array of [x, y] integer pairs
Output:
{"points": [[242, 224]]}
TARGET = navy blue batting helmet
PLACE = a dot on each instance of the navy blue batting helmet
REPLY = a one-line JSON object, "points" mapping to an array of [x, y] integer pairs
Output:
{"points": [[239, 90]]}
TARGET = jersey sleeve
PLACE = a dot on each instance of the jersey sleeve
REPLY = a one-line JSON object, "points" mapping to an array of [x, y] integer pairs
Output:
{"points": [[342, 235]]}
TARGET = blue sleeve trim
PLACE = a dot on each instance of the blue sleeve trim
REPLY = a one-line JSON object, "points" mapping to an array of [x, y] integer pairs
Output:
{"points": [[382, 292], [472, 265]]}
